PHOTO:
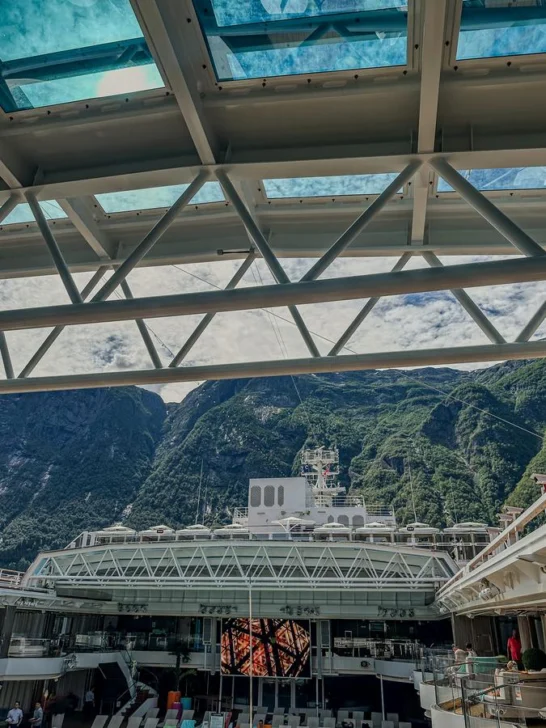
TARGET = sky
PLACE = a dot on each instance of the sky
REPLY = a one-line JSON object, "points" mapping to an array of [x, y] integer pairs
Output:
{"points": [[398, 322]]}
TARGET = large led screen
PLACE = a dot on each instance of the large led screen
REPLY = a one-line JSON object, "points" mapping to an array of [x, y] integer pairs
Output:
{"points": [[280, 648]]}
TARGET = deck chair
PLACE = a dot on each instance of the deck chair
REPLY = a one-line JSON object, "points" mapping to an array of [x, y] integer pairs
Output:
{"points": [[331, 723], [187, 715], [206, 717], [358, 717], [152, 713], [312, 722], [376, 719], [294, 721], [277, 721], [257, 718], [100, 721], [261, 709], [170, 723], [115, 721], [404, 724], [278, 711], [342, 715], [133, 722], [149, 723], [243, 725], [325, 713], [394, 717], [387, 724], [243, 718], [171, 714]]}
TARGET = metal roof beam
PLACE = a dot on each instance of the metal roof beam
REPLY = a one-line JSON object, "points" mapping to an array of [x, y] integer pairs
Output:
{"points": [[521, 270], [311, 365], [169, 39]]}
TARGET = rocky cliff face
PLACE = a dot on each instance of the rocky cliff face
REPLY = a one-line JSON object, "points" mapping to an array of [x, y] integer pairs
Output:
{"points": [[440, 445]]}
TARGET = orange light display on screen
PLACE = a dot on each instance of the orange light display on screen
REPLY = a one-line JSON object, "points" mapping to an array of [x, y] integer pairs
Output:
{"points": [[280, 648]]}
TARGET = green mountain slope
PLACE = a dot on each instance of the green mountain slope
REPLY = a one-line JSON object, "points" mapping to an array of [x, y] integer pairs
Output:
{"points": [[439, 445]]}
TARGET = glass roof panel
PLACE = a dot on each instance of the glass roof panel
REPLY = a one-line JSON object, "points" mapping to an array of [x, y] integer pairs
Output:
{"points": [[502, 28], [264, 38], [509, 178], [57, 51], [358, 184], [154, 197], [22, 213]]}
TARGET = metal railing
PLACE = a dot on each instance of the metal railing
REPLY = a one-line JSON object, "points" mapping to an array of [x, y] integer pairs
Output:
{"points": [[406, 650], [508, 699], [323, 500], [240, 515], [20, 646], [10, 578]]}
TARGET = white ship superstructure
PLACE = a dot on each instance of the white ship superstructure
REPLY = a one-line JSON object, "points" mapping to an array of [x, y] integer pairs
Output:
{"points": [[310, 501]]}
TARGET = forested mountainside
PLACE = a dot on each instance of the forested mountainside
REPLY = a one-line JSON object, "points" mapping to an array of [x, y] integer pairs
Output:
{"points": [[440, 445]]}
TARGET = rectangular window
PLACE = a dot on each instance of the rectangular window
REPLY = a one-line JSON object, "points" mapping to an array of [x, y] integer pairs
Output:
{"points": [[266, 38], [57, 51], [501, 28]]}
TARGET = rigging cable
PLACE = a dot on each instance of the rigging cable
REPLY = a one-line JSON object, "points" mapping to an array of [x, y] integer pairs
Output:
{"points": [[410, 378]]}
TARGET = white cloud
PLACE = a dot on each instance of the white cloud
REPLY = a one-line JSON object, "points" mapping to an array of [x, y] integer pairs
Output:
{"points": [[396, 323]]}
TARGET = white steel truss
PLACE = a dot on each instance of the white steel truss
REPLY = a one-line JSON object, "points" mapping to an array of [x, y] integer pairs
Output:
{"points": [[240, 565], [424, 121]]}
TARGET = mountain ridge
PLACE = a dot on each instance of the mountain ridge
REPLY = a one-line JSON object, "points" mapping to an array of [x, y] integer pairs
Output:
{"points": [[438, 444]]}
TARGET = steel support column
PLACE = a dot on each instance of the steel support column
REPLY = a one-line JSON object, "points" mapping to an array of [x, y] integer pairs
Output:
{"points": [[153, 236], [6, 359], [143, 329], [350, 235], [54, 250], [9, 205], [284, 367], [52, 337], [472, 309], [533, 324], [490, 212], [365, 312], [257, 237], [205, 321]]}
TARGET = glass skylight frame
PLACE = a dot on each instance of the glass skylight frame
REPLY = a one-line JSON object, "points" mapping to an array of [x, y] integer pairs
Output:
{"points": [[301, 75], [387, 178], [61, 70], [177, 190], [500, 190], [498, 59]]}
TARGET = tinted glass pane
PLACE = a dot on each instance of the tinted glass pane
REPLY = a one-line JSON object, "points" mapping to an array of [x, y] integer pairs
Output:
{"points": [[157, 197], [502, 28], [56, 51], [362, 184], [511, 178], [263, 38], [22, 212]]}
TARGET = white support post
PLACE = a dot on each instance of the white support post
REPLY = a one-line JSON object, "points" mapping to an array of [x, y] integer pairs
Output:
{"points": [[54, 250], [364, 312], [258, 238], [472, 309], [350, 235], [6, 359], [159, 229], [206, 320], [490, 212]]}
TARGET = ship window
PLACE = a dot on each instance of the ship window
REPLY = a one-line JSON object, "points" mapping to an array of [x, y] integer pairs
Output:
{"points": [[269, 495], [344, 520], [280, 495], [358, 521], [255, 496], [331, 519]]}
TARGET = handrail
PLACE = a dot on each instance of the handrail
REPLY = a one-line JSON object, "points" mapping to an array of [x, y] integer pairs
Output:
{"points": [[513, 528]]}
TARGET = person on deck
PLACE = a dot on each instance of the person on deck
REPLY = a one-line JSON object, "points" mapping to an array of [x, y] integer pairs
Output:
{"points": [[38, 716], [15, 716], [513, 647]]}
